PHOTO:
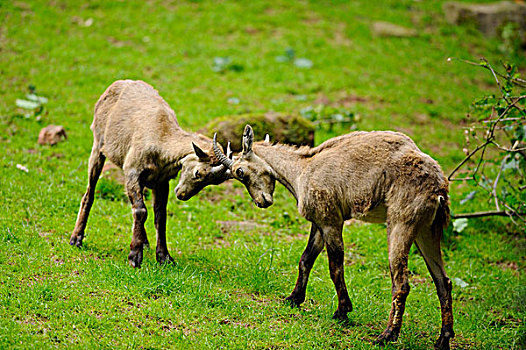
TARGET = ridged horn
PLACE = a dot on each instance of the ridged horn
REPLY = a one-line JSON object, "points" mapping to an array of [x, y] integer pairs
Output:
{"points": [[220, 155], [229, 152]]}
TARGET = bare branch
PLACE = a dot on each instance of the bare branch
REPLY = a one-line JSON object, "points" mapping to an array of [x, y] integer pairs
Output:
{"points": [[481, 214], [496, 182], [508, 149], [462, 179], [488, 66], [491, 132], [517, 81], [467, 158]]}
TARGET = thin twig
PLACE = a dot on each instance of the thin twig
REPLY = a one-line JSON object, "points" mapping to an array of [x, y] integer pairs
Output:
{"points": [[488, 65], [502, 120], [486, 213], [512, 212], [480, 162], [462, 179], [508, 149], [496, 182], [517, 81], [467, 158]]}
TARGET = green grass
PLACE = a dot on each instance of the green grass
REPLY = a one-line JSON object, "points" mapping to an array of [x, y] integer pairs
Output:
{"points": [[225, 287]]}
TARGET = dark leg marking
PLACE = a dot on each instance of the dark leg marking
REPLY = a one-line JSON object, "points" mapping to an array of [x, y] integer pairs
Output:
{"points": [[311, 252]]}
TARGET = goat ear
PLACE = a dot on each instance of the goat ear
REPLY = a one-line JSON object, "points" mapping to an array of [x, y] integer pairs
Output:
{"points": [[248, 139], [200, 153]]}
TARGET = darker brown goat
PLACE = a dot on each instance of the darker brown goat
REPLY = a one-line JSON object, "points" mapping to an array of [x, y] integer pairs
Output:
{"points": [[138, 131], [378, 176]]}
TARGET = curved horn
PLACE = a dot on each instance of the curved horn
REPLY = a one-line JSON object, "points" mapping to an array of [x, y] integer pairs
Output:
{"points": [[218, 169], [229, 152], [220, 156]]}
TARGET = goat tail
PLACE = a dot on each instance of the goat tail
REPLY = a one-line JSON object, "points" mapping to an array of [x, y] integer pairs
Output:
{"points": [[442, 216]]}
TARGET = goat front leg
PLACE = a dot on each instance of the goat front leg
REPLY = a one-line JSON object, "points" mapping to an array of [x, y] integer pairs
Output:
{"points": [[160, 200], [313, 249], [96, 162], [332, 236], [135, 193], [400, 239]]}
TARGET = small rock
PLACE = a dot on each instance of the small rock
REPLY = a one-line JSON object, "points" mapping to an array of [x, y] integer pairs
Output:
{"points": [[389, 29], [488, 18], [51, 135], [289, 129]]}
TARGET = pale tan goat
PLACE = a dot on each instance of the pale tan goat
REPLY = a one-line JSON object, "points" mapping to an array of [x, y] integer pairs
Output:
{"points": [[377, 176], [138, 131]]}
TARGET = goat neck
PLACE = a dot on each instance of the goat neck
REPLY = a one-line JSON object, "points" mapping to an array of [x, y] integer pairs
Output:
{"points": [[179, 146], [286, 162]]}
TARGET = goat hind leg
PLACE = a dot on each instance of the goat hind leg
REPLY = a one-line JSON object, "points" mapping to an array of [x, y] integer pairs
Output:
{"points": [[429, 245], [135, 193], [400, 238], [160, 200], [311, 252], [332, 236], [95, 164]]}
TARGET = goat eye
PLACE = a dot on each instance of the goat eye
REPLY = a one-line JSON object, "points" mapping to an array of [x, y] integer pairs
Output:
{"points": [[240, 173], [197, 175]]}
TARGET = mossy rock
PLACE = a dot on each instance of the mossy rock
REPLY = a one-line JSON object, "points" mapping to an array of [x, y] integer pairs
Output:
{"points": [[284, 128]]}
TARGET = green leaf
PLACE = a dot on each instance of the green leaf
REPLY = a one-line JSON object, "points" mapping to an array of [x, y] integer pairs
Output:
{"points": [[35, 98], [303, 63], [458, 282], [460, 224], [27, 104]]}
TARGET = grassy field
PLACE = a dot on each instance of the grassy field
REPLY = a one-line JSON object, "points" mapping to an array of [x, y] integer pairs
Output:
{"points": [[233, 262]]}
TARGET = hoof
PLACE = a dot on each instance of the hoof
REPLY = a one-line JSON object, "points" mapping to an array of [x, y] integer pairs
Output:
{"points": [[387, 336], [135, 258], [443, 341], [164, 259], [340, 315], [293, 301], [76, 240], [442, 344]]}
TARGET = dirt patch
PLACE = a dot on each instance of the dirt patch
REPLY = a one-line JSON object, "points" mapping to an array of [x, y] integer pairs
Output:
{"points": [[251, 30], [33, 279], [350, 100], [252, 296], [511, 266], [235, 323], [339, 37], [341, 99], [228, 226]]}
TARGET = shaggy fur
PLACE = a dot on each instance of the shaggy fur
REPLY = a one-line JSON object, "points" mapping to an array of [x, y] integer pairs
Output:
{"points": [[138, 131], [379, 177]]}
